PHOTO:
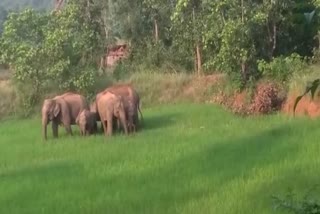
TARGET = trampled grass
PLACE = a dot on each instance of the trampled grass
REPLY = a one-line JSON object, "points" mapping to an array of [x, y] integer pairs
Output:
{"points": [[188, 159]]}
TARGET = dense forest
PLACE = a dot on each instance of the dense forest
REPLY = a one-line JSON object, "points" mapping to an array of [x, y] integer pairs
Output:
{"points": [[245, 39]]}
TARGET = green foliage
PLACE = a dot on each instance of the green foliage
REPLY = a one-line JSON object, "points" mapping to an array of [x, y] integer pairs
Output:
{"points": [[306, 205], [21, 46], [57, 48], [281, 68], [236, 49], [246, 39]]}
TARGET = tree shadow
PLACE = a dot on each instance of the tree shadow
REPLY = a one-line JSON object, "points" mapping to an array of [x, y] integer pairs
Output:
{"points": [[159, 121]]}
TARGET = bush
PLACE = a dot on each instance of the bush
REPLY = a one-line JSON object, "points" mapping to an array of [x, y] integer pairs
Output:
{"points": [[267, 99], [306, 205], [281, 68]]}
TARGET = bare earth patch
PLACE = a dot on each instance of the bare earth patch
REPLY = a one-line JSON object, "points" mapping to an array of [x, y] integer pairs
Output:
{"points": [[266, 98], [306, 106]]}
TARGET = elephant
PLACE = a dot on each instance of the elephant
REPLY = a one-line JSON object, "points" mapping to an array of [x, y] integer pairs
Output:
{"points": [[87, 122], [62, 110], [132, 103], [109, 106]]}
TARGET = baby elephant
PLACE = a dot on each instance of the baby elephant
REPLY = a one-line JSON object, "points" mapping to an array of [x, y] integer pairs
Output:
{"points": [[87, 122]]}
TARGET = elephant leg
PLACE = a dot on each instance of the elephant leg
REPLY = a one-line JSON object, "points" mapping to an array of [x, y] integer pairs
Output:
{"points": [[68, 129], [95, 128], [104, 125], [118, 124], [134, 128], [129, 127], [109, 126], [101, 127], [55, 129]]}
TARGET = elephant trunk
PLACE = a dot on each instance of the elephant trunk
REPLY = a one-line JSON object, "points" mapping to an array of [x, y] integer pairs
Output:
{"points": [[44, 126]]}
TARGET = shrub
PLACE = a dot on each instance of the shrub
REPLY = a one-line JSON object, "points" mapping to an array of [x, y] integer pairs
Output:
{"points": [[306, 205], [281, 68], [267, 98]]}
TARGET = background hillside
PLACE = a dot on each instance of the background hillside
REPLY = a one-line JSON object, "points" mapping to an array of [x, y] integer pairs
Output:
{"points": [[18, 5], [21, 4]]}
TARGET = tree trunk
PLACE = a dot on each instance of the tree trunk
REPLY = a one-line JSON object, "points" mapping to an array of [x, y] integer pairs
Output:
{"points": [[244, 71], [156, 33], [198, 57], [242, 11], [272, 38], [58, 4], [274, 45], [195, 61]]}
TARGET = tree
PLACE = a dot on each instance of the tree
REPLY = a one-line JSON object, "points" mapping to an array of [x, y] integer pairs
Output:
{"points": [[22, 48], [188, 29], [58, 49]]}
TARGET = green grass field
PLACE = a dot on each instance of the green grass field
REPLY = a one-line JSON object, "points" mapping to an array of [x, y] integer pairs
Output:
{"points": [[189, 158]]}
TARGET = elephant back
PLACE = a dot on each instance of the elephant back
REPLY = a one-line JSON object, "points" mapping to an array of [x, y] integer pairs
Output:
{"points": [[75, 103], [130, 97]]}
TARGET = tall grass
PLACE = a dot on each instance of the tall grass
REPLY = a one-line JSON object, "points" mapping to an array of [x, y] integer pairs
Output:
{"points": [[159, 88], [8, 99], [299, 80], [187, 159]]}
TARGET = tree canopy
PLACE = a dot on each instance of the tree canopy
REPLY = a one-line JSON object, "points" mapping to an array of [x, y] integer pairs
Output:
{"points": [[245, 39]]}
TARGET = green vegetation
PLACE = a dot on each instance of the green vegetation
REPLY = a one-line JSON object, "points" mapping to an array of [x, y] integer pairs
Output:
{"points": [[302, 205], [51, 49], [248, 41], [188, 159]]}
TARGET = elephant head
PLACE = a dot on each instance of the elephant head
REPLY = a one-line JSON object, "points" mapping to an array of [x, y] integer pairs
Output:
{"points": [[62, 109], [50, 112]]}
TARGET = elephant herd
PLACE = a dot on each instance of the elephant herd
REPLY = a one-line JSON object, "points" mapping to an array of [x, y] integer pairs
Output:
{"points": [[115, 107]]}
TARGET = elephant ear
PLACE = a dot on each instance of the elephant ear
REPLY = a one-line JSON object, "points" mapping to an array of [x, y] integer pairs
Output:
{"points": [[56, 109]]}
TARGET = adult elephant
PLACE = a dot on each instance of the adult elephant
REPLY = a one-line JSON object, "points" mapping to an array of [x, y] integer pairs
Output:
{"points": [[131, 101], [110, 105], [62, 110]]}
